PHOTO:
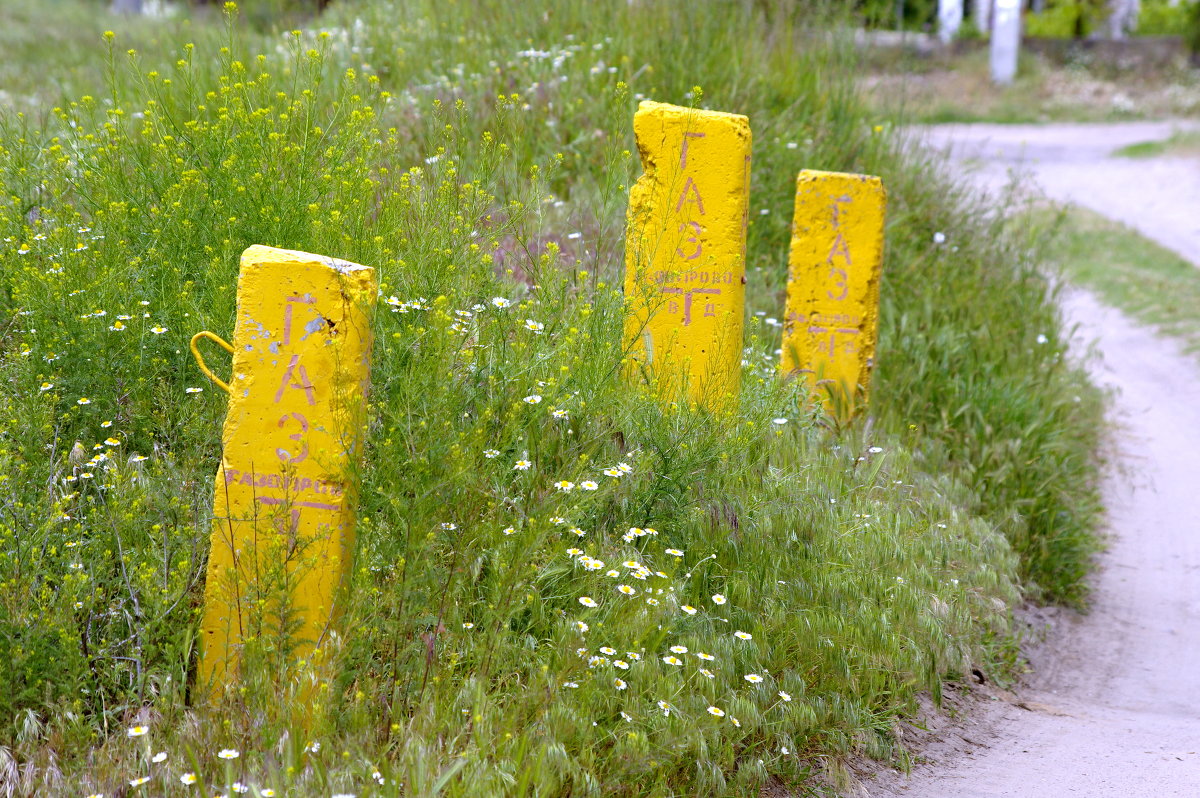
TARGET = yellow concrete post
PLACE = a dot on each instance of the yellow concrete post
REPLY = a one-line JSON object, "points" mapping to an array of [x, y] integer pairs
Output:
{"points": [[835, 266], [685, 252], [283, 520]]}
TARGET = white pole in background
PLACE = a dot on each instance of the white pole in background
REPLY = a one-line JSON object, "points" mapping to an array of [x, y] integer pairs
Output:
{"points": [[981, 12], [950, 17], [1006, 41]]}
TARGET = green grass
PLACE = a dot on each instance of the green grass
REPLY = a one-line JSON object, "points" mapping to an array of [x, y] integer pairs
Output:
{"points": [[1179, 143], [1130, 272], [474, 150]]}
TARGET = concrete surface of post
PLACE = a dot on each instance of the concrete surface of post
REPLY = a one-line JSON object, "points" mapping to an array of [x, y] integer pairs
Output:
{"points": [[283, 517], [685, 252], [834, 270]]}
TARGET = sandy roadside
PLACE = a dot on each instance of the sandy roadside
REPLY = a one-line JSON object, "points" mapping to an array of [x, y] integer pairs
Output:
{"points": [[1113, 706]]}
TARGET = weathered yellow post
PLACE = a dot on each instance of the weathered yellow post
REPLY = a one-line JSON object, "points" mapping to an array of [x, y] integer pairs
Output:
{"points": [[833, 285], [283, 518], [685, 251]]}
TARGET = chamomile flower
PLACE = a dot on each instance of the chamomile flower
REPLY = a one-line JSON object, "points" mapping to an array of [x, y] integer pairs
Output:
{"points": [[627, 590], [626, 716], [620, 663], [83, 400], [536, 327], [228, 753], [45, 386], [716, 712], [689, 609], [672, 660], [491, 453], [522, 465], [619, 684], [674, 552], [161, 756], [612, 472], [565, 486], [532, 399], [138, 782], [718, 599], [136, 731], [581, 627], [508, 530], [678, 649], [468, 625], [574, 552], [753, 678], [609, 650], [735, 721], [559, 414], [633, 655], [705, 657], [588, 601], [625, 468], [500, 302], [612, 574], [785, 696], [588, 484], [188, 778], [740, 635], [665, 707], [111, 442], [707, 672], [158, 329]]}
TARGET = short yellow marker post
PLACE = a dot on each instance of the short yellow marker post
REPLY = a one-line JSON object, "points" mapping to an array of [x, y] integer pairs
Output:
{"points": [[685, 251], [835, 266], [283, 519]]}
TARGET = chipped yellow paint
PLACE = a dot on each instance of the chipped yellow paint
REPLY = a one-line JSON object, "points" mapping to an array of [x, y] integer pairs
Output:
{"points": [[685, 252], [834, 270], [283, 518]]}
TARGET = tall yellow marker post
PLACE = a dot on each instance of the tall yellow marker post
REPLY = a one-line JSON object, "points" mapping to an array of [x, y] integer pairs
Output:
{"points": [[685, 251], [283, 519], [835, 266]]}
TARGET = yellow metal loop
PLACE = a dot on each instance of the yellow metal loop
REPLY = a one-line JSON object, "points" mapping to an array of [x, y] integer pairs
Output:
{"points": [[221, 342]]}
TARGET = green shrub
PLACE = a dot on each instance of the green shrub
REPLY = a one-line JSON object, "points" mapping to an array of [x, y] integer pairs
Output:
{"points": [[1163, 18], [1192, 33], [1066, 19]]}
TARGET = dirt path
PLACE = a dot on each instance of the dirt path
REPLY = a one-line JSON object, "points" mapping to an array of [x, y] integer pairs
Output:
{"points": [[1158, 197], [1113, 708]]}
